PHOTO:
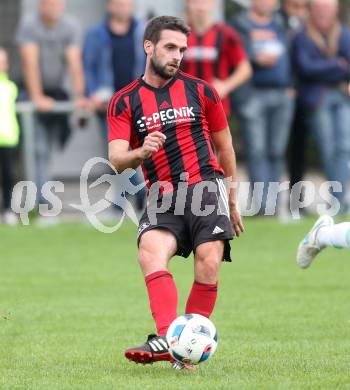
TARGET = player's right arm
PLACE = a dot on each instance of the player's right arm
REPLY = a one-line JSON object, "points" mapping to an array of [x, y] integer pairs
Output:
{"points": [[121, 157], [119, 135]]}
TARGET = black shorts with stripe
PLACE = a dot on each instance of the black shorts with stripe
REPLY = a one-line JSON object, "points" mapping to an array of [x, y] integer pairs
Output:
{"points": [[197, 215]]}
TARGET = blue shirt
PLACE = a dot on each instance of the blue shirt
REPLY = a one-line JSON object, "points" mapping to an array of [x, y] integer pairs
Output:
{"points": [[123, 58], [270, 39]]}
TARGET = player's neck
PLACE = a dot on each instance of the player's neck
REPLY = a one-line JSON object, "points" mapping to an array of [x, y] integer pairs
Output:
{"points": [[154, 80], [200, 27]]}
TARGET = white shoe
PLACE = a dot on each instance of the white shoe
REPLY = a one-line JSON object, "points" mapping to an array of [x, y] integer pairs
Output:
{"points": [[10, 218], [308, 248]]}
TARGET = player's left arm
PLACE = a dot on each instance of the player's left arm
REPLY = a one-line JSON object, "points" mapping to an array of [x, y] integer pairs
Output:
{"points": [[222, 141]]}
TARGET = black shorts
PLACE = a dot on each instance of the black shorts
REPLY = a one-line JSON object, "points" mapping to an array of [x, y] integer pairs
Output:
{"points": [[200, 216]]}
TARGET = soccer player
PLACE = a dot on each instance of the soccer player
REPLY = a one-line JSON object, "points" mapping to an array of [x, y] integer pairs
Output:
{"points": [[325, 233], [215, 53], [170, 120]]}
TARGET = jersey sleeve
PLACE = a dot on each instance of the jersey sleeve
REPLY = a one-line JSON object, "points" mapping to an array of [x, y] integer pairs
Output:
{"points": [[26, 32], [234, 48], [214, 110], [119, 119], [74, 33]]}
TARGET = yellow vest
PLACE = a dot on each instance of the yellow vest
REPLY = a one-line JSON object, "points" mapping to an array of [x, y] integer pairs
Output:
{"points": [[9, 129]]}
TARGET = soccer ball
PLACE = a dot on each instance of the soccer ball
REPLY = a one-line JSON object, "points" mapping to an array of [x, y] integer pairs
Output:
{"points": [[192, 339]]}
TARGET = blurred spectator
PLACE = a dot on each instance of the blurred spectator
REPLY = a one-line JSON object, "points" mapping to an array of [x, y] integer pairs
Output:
{"points": [[214, 52], [113, 58], [113, 53], [9, 135], [265, 106], [322, 60], [294, 14], [49, 44]]}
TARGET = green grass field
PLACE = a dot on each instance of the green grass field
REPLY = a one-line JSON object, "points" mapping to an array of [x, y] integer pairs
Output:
{"points": [[72, 299]]}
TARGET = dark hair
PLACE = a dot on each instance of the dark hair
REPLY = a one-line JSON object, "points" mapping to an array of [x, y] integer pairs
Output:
{"points": [[156, 25]]}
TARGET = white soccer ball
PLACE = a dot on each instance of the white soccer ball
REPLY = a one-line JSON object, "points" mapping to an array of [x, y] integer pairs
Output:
{"points": [[192, 339]]}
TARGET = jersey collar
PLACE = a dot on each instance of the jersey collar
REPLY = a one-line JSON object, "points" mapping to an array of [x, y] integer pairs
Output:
{"points": [[167, 86]]}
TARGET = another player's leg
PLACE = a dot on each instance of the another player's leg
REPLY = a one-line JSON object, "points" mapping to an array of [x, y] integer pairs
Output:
{"points": [[308, 248], [336, 236], [323, 234], [156, 248]]}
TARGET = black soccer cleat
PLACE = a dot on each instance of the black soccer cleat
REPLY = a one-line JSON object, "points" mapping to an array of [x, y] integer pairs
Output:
{"points": [[155, 349]]}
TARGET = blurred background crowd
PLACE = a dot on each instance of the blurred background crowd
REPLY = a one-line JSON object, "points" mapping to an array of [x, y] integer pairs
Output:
{"points": [[281, 69]]}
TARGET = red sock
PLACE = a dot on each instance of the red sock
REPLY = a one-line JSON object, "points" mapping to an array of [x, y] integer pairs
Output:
{"points": [[202, 299], [163, 299]]}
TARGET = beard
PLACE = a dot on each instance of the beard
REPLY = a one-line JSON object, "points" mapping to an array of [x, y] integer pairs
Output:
{"points": [[163, 71]]}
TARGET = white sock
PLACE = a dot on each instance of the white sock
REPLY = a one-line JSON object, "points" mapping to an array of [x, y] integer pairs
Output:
{"points": [[337, 236]]}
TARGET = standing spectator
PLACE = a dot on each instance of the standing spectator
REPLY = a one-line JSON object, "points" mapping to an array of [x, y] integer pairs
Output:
{"points": [[214, 52], [265, 105], [322, 59], [9, 135], [49, 44], [113, 57], [294, 14]]}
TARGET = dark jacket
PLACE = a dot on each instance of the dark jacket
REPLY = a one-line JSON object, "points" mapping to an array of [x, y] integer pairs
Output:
{"points": [[316, 71]]}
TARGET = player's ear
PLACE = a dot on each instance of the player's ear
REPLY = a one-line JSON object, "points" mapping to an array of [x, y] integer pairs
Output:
{"points": [[148, 47]]}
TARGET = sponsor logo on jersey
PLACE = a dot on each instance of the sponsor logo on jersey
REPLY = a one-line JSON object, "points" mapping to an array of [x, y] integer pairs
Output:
{"points": [[166, 117]]}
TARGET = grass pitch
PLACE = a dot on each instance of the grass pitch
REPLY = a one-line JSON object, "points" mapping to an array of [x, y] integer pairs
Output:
{"points": [[72, 299]]}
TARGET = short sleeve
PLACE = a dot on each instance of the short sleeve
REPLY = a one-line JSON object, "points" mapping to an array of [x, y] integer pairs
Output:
{"points": [[214, 110], [26, 32], [234, 48], [119, 119], [75, 35]]}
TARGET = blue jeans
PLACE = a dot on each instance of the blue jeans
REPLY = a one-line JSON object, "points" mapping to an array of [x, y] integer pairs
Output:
{"points": [[48, 135], [330, 125], [265, 121]]}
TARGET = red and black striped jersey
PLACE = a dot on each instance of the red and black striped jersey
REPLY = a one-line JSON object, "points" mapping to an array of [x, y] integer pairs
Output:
{"points": [[214, 55], [186, 110]]}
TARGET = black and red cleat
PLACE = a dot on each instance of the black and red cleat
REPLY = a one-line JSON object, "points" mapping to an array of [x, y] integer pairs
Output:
{"points": [[155, 349]]}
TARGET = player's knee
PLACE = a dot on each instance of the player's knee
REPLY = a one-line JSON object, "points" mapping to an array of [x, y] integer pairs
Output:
{"points": [[150, 261], [145, 256], [207, 267]]}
